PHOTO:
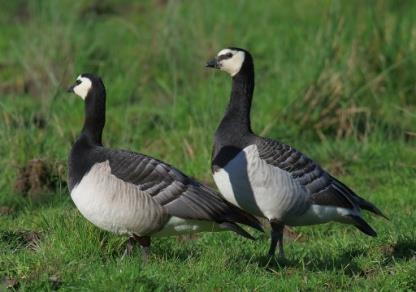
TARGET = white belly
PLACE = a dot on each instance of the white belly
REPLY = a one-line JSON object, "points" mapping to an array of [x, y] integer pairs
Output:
{"points": [[114, 205], [263, 190]]}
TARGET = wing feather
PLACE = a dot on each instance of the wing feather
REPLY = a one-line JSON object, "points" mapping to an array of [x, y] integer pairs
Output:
{"points": [[180, 195], [322, 188]]}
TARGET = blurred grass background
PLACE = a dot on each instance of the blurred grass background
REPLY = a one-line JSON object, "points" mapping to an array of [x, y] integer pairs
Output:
{"points": [[335, 79]]}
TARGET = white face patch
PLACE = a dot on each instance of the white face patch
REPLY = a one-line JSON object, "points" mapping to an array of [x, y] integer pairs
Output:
{"points": [[83, 87], [230, 61]]}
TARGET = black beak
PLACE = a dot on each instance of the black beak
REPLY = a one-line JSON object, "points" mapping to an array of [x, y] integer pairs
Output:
{"points": [[71, 88], [212, 64]]}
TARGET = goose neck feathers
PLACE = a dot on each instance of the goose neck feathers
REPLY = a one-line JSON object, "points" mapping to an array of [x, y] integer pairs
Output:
{"points": [[94, 112], [84, 152], [237, 116]]}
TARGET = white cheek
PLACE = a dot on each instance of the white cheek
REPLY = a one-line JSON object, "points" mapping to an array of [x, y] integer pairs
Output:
{"points": [[232, 66], [82, 89]]}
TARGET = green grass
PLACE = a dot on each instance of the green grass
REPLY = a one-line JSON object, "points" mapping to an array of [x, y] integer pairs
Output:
{"points": [[334, 79]]}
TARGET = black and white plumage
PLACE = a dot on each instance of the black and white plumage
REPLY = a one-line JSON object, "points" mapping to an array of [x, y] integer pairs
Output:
{"points": [[268, 178], [136, 195]]}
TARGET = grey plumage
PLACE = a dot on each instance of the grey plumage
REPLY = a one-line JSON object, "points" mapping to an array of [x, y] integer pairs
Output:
{"points": [[178, 194], [324, 188]]}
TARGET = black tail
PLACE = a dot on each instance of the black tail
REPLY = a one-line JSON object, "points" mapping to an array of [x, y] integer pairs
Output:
{"points": [[237, 229], [366, 205], [240, 216], [363, 226], [362, 203]]}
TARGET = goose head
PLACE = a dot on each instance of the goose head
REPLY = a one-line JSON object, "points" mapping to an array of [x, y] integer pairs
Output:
{"points": [[85, 84], [230, 60]]}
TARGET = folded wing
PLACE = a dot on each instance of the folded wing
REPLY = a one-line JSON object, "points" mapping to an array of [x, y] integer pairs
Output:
{"points": [[324, 189], [180, 195]]}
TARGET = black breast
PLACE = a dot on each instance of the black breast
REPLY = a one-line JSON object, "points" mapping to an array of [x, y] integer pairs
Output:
{"points": [[227, 146], [82, 157], [221, 157]]}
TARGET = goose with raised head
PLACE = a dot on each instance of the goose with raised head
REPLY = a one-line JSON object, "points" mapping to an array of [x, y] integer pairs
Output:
{"points": [[132, 194], [271, 179]]}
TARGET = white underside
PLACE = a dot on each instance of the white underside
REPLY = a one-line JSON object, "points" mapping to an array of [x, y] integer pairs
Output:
{"points": [[119, 207], [114, 205], [317, 214], [176, 226], [264, 190]]}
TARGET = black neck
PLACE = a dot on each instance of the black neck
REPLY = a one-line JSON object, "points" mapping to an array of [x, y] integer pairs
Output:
{"points": [[237, 115], [94, 115]]}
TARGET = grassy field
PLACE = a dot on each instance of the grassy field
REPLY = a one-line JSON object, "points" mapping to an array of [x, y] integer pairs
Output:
{"points": [[334, 79]]}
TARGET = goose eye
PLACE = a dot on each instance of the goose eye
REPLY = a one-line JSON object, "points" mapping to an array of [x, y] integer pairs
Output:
{"points": [[225, 56]]}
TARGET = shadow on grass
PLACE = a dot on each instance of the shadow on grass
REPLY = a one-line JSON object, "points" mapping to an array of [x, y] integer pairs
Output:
{"points": [[403, 249], [344, 262], [168, 249]]}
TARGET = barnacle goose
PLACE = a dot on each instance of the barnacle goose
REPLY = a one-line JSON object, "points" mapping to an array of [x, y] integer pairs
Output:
{"points": [[268, 178], [132, 194]]}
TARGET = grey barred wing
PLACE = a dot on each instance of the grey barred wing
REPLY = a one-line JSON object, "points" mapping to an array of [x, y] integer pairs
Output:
{"points": [[180, 195], [162, 181], [305, 172]]}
